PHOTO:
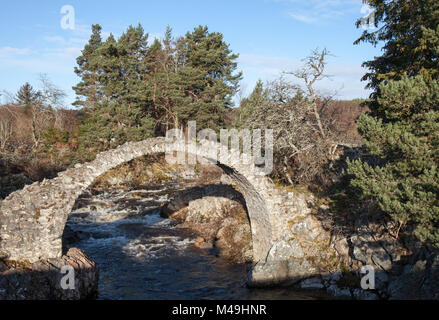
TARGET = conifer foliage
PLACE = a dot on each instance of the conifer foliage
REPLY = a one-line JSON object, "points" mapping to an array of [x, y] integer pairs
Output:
{"points": [[402, 129], [132, 90], [409, 30], [27, 95]]}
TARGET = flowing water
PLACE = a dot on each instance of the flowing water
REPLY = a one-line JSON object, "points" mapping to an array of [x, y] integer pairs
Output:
{"points": [[143, 256]]}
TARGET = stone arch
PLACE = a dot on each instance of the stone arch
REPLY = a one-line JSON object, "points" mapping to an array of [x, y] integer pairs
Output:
{"points": [[32, 220]]}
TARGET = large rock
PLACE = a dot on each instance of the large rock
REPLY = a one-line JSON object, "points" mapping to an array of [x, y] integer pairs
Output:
{"points": [[182, 198], [312, 283], [285, 249], [42, 280], [218, 220], [370, 251], [234, 240], [281, 273], [418, 281]]}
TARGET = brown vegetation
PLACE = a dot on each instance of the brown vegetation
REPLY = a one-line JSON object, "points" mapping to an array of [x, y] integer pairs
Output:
{"points": [[341, 116], [37, 142]]}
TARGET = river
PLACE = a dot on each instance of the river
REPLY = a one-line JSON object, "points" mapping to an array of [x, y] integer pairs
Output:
{"points": [[144, 256]]}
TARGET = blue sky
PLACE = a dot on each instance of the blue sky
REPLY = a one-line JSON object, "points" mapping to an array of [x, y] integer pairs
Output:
{"points": [[271, 36]]}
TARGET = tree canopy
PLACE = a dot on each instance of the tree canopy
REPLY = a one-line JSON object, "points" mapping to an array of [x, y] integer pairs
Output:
{"points": [[402, 130], [409, 31], [133, 90]]}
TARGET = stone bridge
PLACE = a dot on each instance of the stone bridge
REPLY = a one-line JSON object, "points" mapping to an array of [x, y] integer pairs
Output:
{"points": [[32, 220], [289, 243]]}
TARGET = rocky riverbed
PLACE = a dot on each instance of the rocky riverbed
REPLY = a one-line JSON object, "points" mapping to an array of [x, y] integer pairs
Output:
{"points": [[169, 242]]}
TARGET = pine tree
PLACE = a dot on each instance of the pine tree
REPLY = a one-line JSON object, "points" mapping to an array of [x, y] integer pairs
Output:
{"points": [[133, 90], [88, 70], [406, 140], [26, 96], [123, 112], [207, 77], [191, 78], [166, 93], [257, 98], [410, 30], [402, 130]]}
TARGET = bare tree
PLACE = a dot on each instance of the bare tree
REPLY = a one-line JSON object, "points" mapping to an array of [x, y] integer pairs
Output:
{"points": [[5, 131], [312, 72], [45, 110], [303, 141], [52, 96], [9, 101], [42, 118]]}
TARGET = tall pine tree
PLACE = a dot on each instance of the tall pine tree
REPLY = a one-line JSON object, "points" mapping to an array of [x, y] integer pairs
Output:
{"points": [[123, 111], [409, 30], [207, 75], [88, 89], [403, 128], [406, 139]]}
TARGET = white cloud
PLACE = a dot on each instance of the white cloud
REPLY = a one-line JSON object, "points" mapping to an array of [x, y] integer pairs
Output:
{"points": [[65, 42], [67, 54], [9, 51], [55, 39], [303, 18], [82, 31], [48, 60], [315, 11]]}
